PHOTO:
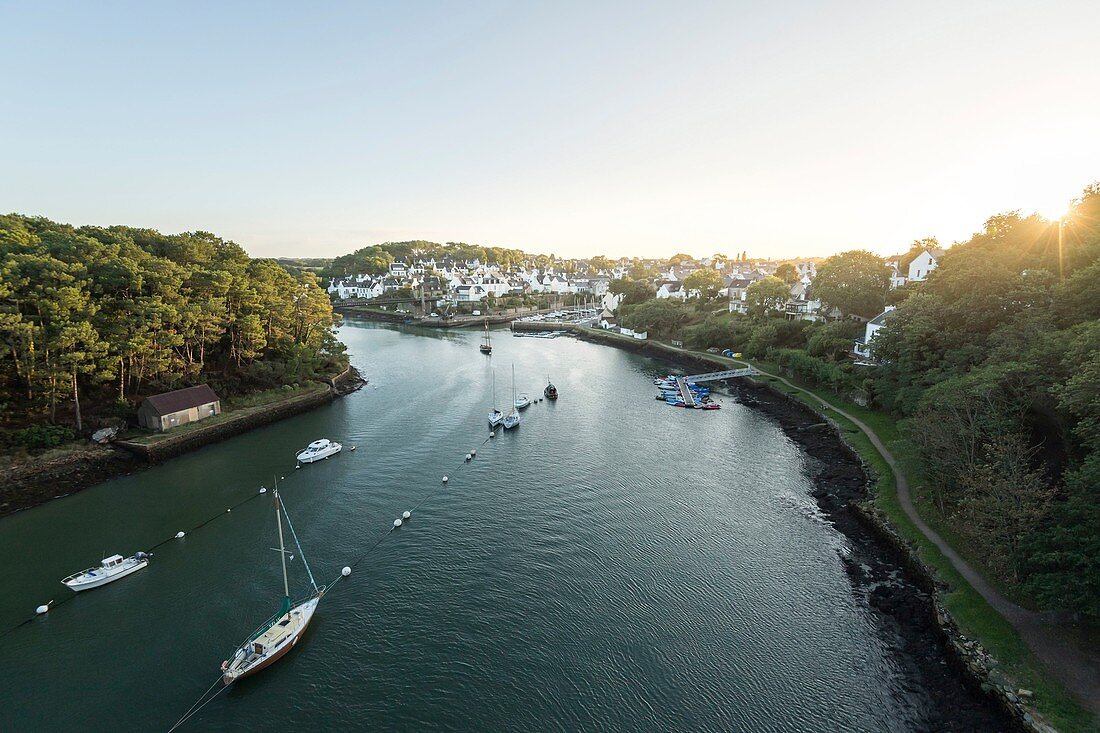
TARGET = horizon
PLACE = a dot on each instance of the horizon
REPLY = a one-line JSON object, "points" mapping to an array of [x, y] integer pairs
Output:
{"points": [[618, 130]]}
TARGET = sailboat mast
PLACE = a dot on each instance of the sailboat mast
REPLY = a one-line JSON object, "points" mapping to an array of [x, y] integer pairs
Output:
{"points": [[282, 550]]}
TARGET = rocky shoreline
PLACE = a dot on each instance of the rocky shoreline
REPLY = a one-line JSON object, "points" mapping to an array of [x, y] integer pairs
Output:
{"points": [[947, 679], [35, 482], [899, 595]]}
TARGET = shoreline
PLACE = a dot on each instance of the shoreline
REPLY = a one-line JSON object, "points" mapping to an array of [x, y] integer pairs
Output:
{"points": [[896, 589], [34, 483]]}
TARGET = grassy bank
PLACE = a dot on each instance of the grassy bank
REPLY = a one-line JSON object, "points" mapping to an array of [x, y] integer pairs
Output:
{"points": [[974, 616], [233, 409], [1016, 664]]}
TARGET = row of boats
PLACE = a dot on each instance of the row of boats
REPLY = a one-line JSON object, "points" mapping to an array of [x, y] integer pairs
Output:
{"points": [[668, 391], [519, 402]]}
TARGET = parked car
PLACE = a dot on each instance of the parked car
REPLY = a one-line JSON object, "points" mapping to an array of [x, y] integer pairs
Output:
{"points": [[712, 350], [435, 315], [477, 313]]}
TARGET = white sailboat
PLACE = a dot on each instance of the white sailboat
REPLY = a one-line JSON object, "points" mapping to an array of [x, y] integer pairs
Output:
{"points": [[496, 417], [278, 635], [511, 420]]}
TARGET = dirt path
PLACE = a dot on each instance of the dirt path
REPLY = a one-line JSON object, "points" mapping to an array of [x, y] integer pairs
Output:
{"points": [[1075, 664]]}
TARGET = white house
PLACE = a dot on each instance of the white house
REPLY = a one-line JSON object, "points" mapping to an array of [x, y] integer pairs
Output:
{"points": [[672, 290], [923, 264], [865, 347]]}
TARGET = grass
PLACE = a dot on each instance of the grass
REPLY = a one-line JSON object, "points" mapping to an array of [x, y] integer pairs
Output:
{"points": [[973, 615], [234, 407]]}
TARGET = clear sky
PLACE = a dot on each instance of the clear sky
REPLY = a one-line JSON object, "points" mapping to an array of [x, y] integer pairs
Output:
{"points": [[578, 128]]}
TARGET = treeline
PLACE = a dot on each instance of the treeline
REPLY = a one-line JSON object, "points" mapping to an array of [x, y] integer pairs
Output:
{"points": [[114, 313], [376, 259], [993, 366]]}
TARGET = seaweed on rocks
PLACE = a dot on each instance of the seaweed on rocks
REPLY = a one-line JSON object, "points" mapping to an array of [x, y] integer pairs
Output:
{"points": [[899, 598]]}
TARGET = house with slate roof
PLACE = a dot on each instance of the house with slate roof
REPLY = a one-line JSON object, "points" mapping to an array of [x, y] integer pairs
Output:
{"points": [[171, 409]]}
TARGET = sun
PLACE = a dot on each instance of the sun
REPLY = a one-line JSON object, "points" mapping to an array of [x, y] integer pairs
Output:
{"points": [[1053, 212]]}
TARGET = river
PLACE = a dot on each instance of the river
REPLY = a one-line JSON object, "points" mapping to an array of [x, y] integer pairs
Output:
{"points": [[612, 564]]}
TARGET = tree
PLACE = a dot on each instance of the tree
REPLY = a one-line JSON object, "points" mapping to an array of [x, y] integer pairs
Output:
{"points": [[679, 258], [854, 282], [633, 291], [707, 282], [663, 316], [766, 296], [787, 273]]}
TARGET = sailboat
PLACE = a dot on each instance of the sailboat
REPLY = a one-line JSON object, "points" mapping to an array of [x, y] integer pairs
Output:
{"points": [[550, 391], [511, 420], [487, 342], [278, 635], [496, 417]]}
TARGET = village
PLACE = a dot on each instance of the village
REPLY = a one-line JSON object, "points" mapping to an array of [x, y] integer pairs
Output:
{"points": [[452, 290]]}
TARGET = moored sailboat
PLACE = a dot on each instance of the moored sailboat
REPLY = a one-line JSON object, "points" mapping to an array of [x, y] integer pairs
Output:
{"points": [[486, 340], [511, 420], [550, 391], [496, 417], [278, 635]]}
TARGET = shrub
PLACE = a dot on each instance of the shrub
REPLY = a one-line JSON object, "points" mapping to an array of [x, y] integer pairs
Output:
{"points": [[42, 437]]}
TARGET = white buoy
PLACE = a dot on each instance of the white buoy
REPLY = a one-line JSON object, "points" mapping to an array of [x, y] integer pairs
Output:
{"points": [[43, 609], [228, 510], [468, 456], [346, 571], [298, 466], [492, 434], [397, 523], [353, 447], [282, 478], [406, 515], [179, 535], [473, 452], [263, 489], [444, 479]]}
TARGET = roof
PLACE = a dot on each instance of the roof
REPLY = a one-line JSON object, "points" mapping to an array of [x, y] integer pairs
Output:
{"points": [[181, 399], [880, 319]]}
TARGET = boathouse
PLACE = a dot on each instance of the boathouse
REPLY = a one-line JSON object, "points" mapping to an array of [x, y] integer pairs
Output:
{"points": [[172, 409]]}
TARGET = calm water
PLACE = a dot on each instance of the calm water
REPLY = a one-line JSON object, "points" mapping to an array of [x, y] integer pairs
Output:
{"points": [[614, 564]]}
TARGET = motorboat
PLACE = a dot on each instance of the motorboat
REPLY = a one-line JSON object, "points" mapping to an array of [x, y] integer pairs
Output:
{"points": [[522, 401], [109, 570], [550, 391], [319, 450], [279, 634]]}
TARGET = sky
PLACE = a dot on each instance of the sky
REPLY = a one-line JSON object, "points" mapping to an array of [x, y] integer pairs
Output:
{"points": [[574, 128]]}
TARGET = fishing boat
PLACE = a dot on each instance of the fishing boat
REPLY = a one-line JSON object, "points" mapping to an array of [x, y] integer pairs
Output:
{"points": [[109, 570], [511, 420], [486, 341], [278, 635], [550, 391], [319, 450], [496, 417]]}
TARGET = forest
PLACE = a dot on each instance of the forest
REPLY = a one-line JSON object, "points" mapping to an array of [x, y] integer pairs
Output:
{"points": [[991, 366], [93, 319]]}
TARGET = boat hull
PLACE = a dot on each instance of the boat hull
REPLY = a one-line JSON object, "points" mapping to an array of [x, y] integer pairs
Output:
{"points": [[228, 679], [104, 579], [320, 456]]}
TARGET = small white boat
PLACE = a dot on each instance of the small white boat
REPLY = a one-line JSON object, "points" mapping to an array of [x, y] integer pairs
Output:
{"points": [[522, 401], [511, 420], [112, 568], [319, 450]]}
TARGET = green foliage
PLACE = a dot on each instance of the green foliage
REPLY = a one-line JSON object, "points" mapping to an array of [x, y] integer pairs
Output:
{"points": [[633, 291], [833, 341], [42, 437], [708, 282], [787, 272], [664, 317], [118, 311], [766, 296], [997, 359], [855, 282], [814, 371]]}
